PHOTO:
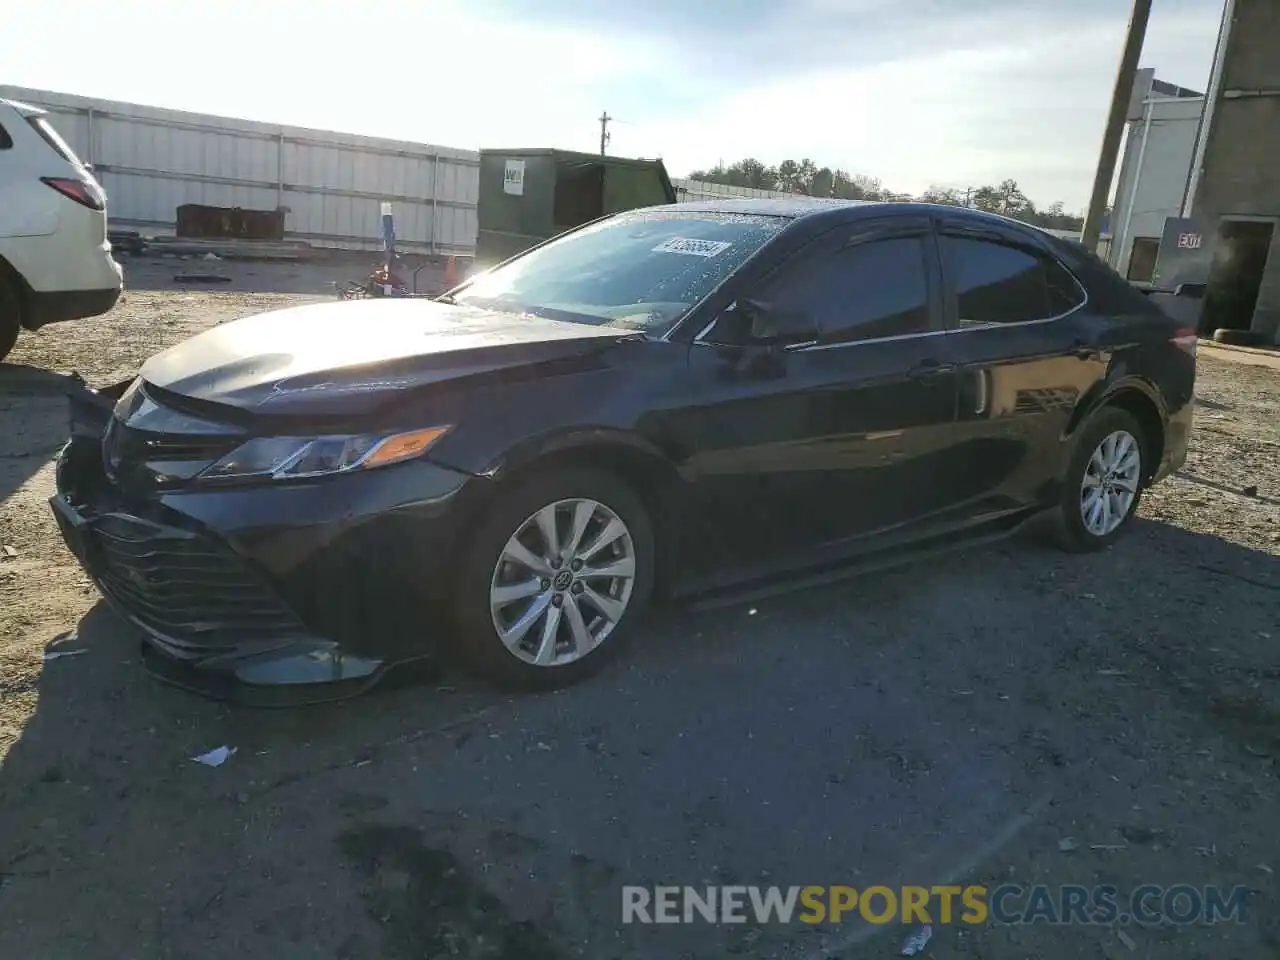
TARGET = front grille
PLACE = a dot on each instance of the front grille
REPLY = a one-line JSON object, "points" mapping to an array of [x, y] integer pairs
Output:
{"points": [[196, 597]]}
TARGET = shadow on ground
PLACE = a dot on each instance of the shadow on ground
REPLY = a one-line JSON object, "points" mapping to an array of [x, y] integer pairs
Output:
{"points": [[925, 725], [33, 421]]}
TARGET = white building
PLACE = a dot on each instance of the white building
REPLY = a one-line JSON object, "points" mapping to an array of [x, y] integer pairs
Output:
{"points": [[1164, 121]]}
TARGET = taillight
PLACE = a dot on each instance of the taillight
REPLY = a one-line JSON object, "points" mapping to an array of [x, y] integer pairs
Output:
{"points": [[1184, 338], [84, 192]]}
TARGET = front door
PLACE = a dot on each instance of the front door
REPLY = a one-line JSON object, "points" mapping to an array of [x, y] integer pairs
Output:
{"points": [[840, 437]]}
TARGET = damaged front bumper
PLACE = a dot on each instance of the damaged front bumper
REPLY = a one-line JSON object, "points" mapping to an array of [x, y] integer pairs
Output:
{"points": [[270, 594]]}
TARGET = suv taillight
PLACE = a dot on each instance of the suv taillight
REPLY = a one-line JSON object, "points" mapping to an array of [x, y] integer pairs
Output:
{"points": [[84, 192]]}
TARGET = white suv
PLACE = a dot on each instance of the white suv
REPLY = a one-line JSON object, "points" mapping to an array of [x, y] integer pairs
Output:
{"points": [[55, 260]]}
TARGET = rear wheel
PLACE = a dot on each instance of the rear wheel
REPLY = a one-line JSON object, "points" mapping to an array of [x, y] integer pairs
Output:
{"points": [[1103, 485], [555, 577], [10, 316]]}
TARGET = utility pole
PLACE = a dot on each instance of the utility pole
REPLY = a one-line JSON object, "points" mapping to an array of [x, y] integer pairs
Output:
{"points": [[1115, 123], [604, 130]]}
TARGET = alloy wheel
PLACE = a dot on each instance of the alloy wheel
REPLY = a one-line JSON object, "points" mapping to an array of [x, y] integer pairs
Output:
{"points": [[1110, 483], [562, 582]]}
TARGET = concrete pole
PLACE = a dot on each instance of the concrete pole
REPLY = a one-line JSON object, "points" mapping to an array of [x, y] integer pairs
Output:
{"points": [[1115, 123]]}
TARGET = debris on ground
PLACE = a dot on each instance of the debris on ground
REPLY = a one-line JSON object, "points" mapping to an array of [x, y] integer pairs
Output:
{"points": [[200, 278], [215, 757], [1067, 844], [1126, 940], [916, 943]]}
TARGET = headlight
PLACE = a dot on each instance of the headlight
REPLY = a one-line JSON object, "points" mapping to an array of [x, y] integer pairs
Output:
{"points": [[292, 458]]}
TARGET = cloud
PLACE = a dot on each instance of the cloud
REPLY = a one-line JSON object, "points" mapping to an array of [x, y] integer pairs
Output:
{"points": [[911, 92]]}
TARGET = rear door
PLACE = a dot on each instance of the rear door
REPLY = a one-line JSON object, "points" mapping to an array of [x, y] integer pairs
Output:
{"points": [[842, 436], [1025, 353]]}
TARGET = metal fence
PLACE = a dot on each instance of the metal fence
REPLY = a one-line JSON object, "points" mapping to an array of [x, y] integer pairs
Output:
{"points": [[154, 160], [690, 191]]}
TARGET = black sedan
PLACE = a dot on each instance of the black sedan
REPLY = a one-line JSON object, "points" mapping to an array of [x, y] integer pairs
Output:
{"points": [[701, 399]]}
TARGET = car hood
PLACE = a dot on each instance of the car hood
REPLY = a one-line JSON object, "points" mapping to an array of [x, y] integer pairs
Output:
{"points": [[349, 358]]}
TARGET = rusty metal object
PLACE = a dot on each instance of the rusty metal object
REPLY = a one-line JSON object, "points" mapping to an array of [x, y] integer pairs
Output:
{"points": [[195, 220]]}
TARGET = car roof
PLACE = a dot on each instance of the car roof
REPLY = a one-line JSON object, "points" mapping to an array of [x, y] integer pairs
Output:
{"points": [[801, 207]]}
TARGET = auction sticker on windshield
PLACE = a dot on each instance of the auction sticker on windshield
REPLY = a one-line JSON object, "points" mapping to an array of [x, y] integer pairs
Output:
{"points": [[694, 248]]}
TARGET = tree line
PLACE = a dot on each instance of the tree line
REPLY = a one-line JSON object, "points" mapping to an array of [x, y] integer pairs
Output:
{"points": [[806, 177]]}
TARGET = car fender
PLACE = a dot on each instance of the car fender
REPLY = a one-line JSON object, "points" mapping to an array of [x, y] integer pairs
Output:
{"points": [[569, 441], [640, 462], [1106, 390]]}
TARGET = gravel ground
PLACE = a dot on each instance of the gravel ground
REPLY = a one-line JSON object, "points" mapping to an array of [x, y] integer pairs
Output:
{"points": [[1006, 715]]}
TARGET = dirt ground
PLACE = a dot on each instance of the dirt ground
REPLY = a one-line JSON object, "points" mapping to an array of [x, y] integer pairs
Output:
{"points": [[1007, 715]]}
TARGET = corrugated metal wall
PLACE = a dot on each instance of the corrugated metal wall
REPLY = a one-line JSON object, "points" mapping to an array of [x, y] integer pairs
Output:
{"points": [[153, 160], [690, 191]]}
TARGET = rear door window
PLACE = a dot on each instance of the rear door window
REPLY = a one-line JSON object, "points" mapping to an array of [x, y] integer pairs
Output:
{"points": [[997, 283]]}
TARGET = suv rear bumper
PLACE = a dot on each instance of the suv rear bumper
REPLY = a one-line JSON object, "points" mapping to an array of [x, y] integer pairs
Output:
{"points": [[62, 276], [43, 308]]}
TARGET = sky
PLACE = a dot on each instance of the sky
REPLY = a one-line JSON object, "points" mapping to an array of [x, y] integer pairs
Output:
{"points": [[913, 92]]}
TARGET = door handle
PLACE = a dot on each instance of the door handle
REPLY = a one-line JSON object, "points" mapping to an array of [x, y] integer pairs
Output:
{"points": [[928, 369]]}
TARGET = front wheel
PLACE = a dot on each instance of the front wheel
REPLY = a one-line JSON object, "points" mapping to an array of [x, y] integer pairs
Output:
{"points": [[1103, 484], [556, 575]]}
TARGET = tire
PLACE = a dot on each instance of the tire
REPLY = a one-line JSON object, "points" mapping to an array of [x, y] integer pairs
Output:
{"points": [[10, 316], [1071, 531], [561, 596], [1239, 338]]}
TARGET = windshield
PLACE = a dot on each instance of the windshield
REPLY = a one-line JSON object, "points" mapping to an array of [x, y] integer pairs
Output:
{"points": [[640, 270]]}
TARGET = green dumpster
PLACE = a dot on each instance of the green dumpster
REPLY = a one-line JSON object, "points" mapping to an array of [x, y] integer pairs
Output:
{"points": [[527, 196]]}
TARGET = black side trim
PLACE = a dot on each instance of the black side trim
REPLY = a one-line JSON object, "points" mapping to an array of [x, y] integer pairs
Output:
{"points": [[43, 308]]}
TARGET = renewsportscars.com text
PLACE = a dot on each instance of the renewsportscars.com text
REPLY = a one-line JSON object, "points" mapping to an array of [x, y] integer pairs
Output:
{"points": [[1180, 904]]}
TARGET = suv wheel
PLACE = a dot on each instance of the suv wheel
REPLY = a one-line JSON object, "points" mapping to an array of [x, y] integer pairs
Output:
{"points": [[1103, 484], [555, 577]]}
